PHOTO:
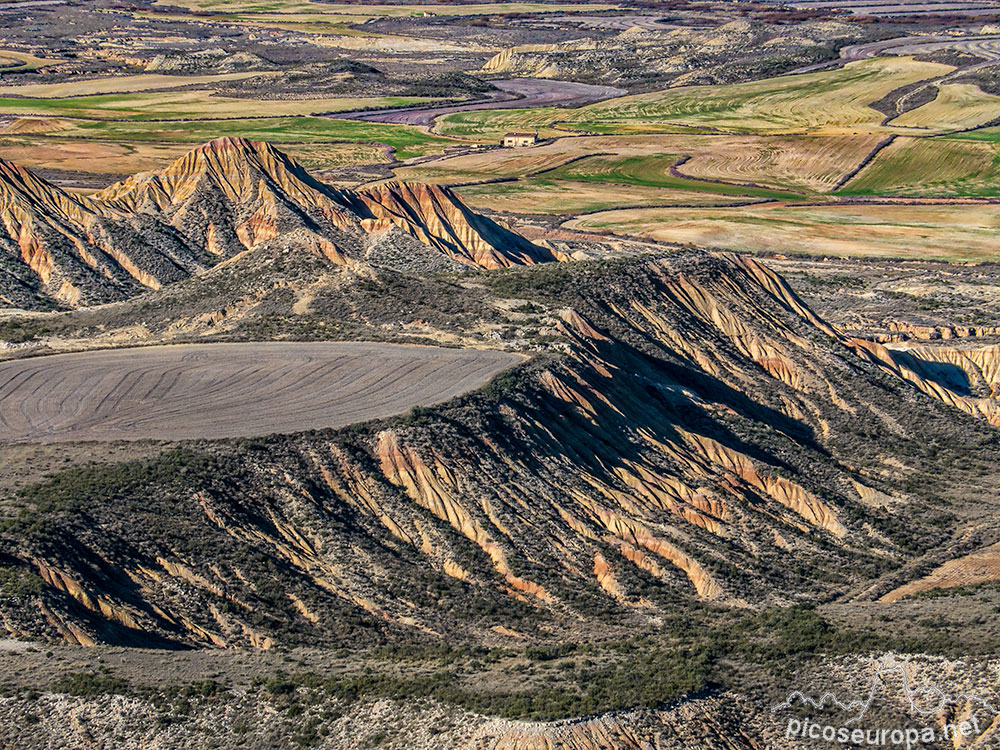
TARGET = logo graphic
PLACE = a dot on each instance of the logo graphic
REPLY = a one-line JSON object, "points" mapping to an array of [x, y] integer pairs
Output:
{"points": [[924, 701]]}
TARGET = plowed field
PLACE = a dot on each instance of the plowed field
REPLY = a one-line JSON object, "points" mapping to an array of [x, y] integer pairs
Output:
{"points": [[228, 390]]}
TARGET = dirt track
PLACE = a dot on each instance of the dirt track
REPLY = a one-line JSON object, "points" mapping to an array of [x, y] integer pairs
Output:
{"points": [[228, 390], [986, 46], [522, 93]]}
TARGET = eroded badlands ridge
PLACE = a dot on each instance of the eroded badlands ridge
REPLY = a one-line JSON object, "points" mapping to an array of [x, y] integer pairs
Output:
{"points": [[221, 199], [696, 433]]}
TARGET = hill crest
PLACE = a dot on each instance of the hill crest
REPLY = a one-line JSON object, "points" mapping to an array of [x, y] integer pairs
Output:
{"points": [[219, 200]]}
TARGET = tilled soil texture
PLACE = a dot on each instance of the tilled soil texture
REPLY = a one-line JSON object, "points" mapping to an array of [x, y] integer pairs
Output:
{"points": [[228, 390]]}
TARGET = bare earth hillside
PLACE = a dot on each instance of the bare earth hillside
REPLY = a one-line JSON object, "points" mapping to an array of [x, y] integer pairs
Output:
{"points": [[660, 479], [224, 198]]}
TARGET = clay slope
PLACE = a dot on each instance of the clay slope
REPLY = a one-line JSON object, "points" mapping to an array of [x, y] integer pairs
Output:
{"points": [[58, 248], [220, 200], [966, 377], [701, 436], [236, 194], [437, 217]]}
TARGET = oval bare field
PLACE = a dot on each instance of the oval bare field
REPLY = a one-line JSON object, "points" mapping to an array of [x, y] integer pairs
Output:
{"points": [[191, 391]]}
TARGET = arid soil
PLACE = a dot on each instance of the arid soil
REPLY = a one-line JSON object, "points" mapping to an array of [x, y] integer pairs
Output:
{"points": [[228, 390]]}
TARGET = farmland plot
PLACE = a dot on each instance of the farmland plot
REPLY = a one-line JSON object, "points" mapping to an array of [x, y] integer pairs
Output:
{"points": [[11, 61], [958, 106], [491, 124], [228, 390], [793, 163], [814, 163], [360, 11], [834, 100], [487, 165], [406, 140], [546, 196], [188, 104], [111, 158], [119, 84], [946, 232], [654, 171], [931, 167]]}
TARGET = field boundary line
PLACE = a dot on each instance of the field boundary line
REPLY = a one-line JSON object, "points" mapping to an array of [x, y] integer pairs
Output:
{"points": [[869, 158], [676, 172], [644, 206]]}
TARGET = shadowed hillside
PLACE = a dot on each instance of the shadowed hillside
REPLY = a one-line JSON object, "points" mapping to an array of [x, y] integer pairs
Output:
{"points": [[694, 433]]}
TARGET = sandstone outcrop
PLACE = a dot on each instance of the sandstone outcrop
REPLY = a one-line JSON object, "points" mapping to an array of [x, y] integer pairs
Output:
{"points": [[982, 566], [967, 378], [60, 248]]}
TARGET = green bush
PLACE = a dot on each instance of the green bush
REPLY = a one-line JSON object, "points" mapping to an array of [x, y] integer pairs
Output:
{"points": [[90, 684]]}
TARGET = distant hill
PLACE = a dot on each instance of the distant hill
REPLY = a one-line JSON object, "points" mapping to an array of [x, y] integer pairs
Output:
{"points": [[221, 199]]}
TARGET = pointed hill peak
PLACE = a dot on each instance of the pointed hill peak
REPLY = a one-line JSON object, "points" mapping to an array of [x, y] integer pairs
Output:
{"points": [[221, 199], [22, 189], [17, 180], [234, 166]]}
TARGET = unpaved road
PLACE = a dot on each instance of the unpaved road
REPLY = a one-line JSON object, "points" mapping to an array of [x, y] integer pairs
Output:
{"points": [[193, 391], [984, 45], [523, 93], [903, 7]]}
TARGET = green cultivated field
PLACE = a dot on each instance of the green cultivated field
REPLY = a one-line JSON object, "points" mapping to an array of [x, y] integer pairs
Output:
{"points": [[542, 196], [790, 139], [654, 171], [407, 141], [831, 102], [932, 167], [194, 105], [493, 123], [990, 135], [834, 99]]}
